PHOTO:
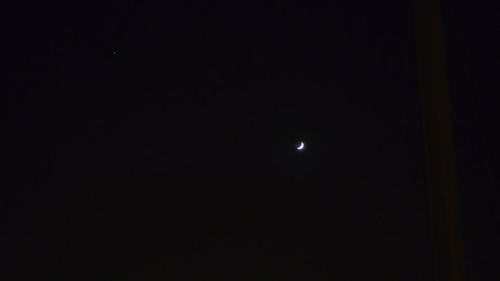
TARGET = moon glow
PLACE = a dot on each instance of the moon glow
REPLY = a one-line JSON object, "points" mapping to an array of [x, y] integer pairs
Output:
{"points": [[301, 146]]}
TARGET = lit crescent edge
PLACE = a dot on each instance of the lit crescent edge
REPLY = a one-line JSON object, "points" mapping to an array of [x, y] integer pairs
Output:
{"points": [[301, 146]]}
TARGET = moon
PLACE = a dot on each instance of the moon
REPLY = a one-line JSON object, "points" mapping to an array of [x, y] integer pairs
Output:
{"points": [[301, 146]]}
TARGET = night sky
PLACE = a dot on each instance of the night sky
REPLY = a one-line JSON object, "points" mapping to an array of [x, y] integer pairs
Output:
{"points": [[156, 140]]}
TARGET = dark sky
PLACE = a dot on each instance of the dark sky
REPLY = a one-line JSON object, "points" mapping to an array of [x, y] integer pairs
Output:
{"points": [[156, 141]]}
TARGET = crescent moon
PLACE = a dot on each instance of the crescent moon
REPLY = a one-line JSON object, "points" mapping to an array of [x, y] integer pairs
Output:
{"points": [[301, 146]]}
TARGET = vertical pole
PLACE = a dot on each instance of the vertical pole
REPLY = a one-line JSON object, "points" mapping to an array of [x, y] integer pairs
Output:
{"points": [[436, 118]]}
